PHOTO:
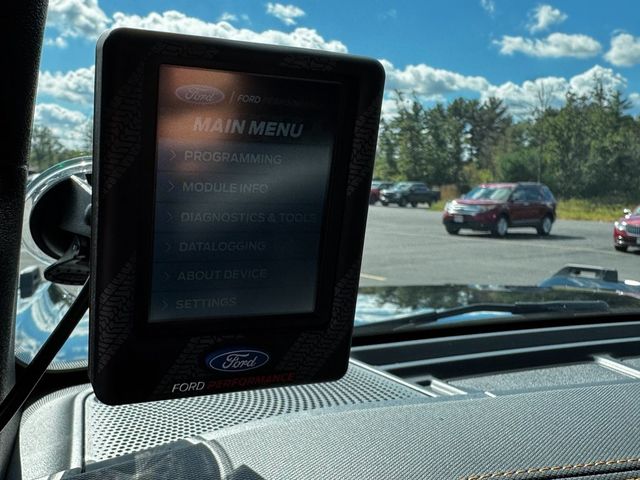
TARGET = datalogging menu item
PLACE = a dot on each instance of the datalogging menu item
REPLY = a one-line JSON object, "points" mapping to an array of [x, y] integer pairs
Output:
{"points": [[242, 167]]}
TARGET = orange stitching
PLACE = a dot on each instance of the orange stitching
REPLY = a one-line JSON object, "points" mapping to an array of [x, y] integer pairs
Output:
{"points": [[511, 473]]}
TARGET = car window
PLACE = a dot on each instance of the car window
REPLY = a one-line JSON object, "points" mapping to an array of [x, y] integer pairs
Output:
{"points": [[533, 194], [548, 196], [519, 195], [489, 193], [477, 100]]}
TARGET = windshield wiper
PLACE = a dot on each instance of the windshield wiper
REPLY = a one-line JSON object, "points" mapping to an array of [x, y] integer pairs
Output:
{"points": [[518, 309]]}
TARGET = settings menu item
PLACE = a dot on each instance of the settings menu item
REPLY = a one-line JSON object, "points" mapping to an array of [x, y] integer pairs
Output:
{"points": [[243, 164]]}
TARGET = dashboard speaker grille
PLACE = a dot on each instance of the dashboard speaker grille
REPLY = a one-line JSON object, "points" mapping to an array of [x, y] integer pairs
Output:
{"points": [[112, 431]]}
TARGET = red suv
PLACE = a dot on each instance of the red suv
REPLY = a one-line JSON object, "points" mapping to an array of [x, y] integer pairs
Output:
{"points": [[626, 231], [496, 207]]}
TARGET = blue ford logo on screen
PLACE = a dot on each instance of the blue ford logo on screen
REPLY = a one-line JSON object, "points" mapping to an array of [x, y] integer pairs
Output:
{"points": [[237, 360], [200, 94]]}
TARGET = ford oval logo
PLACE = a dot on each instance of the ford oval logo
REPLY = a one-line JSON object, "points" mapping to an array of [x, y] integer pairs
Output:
{"points": [[237, 360], [200, 94]]}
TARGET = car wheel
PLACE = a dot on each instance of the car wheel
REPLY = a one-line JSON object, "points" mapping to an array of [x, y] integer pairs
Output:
{"points": [[545, 226], [414, 204], [501, 227], [452, 229], [402, 202], [620, 248], [384, 203], [372, 199]]}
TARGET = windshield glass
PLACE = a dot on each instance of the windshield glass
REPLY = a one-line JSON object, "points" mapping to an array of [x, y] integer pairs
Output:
{"points": [[479, 95], [489, 193]]}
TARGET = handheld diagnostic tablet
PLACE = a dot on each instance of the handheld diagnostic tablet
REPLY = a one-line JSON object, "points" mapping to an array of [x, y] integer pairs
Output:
{"points": [[231, 185]]}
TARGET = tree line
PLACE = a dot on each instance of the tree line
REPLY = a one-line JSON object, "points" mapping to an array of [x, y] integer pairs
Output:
{"points": [[47, 149], [588, 148]]}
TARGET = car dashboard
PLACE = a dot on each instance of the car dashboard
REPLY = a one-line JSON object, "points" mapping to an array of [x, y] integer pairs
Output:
{"points": [[553, 402]]}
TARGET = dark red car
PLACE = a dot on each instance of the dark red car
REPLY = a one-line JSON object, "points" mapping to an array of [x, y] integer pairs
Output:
{"points": [[626, 231], [496, 207]]}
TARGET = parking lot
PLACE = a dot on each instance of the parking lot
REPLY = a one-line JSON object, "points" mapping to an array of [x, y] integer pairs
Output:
{"points": [[409, 246]]}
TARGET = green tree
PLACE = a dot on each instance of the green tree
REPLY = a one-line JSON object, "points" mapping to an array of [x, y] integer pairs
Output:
{"points": [[518, 165], [489, 122], [587, 148], [386, 165], [410, 130], [442, 155], [457, 134], [589, 145], [87, 138], [611, 136], [46, 149]]}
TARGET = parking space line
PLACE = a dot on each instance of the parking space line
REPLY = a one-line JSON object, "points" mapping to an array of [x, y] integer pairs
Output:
{"points": [[368, 276]]}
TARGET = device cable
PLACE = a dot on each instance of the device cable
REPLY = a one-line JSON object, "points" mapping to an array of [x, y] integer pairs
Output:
{"points": [[35, 370]]}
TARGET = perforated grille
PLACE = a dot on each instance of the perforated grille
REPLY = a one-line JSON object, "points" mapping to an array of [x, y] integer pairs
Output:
{"points": [[581, 374], [115, 431]]}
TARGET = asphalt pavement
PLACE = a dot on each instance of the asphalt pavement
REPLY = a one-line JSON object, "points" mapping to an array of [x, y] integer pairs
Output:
{"points": [[409, 246]]}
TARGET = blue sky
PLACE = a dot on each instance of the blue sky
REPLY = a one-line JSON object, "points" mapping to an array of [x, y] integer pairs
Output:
{"points": [[438, 49]]}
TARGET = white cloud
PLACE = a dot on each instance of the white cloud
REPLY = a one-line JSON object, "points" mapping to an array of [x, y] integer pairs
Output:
{"points": [[69, 126], [523, 98], [84, 18], [543, 16], [177, 22], [556, 45], [433, 84], [390, 106], [489, 6], [389, 14], [53, 111], [624, 51], [228, 17], [584, 82], [75, 18], [287, 14], [430, 82], [75, 86], [58, 41]]}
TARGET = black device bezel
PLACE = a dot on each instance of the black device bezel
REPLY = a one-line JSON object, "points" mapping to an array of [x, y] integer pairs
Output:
{"points": [[122, 339]]}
